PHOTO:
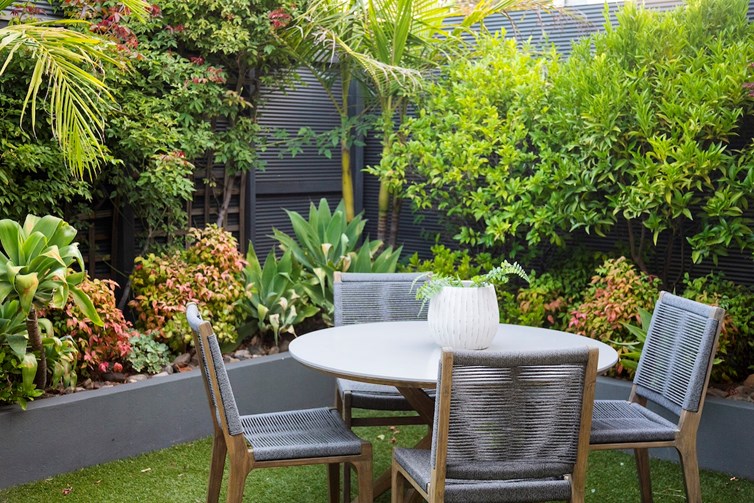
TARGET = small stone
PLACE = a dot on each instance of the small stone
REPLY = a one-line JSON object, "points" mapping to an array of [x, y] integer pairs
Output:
{"points": [[114, 376], [284, 345], [256, 341], [137, 378], [168, 368], [161, 374], [274, 350], [716, 392], [256, 351], [242, 354], [195, 360], [87, 384], [182, 360], [749, 381]]}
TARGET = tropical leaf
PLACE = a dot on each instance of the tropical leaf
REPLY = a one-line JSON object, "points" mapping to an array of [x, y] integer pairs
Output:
{"points": [[84, 303], [67, 62]]}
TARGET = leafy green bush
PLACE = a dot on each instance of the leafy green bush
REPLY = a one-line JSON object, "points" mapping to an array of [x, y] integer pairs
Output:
{"points": [[275, 299], [736, 347], [147, 354], [485, 102], [209, 272], [327, 243], [636, 132], [613, 298], [447, 262], [549, 298], [17, 367]]}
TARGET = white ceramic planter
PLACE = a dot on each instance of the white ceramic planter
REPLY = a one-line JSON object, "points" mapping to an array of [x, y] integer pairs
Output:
{"points": [[464, 318]]}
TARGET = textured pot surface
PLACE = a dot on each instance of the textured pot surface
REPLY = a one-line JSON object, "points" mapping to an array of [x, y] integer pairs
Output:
{"points": [[464, 318]]}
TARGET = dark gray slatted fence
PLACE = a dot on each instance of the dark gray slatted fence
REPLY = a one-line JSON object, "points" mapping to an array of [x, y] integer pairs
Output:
{"points": [[292, 183]]}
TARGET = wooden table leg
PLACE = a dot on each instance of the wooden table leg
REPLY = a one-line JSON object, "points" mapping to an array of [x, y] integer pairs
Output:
{"points": [[424, 405]]}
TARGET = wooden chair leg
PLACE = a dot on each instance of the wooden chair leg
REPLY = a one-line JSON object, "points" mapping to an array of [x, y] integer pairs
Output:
{"points": [[690, 467], [364, 474], [219, 450], [642, 470], [345, 410], [236, 483], [398, 490], [333, 482]]}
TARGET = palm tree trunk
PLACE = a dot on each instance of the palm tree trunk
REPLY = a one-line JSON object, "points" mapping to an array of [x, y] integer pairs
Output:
{"points": [[394, 220], [383, 199], [35, 339], [347, 178]]}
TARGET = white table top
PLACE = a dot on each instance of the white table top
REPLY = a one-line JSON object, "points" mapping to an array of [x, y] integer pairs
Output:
{"points": [[402, 353]]}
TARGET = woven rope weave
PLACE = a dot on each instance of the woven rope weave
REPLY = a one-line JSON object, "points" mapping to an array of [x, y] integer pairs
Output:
{"points": [[374, 297], [226, 400], [280, 435], [672, 370], [514, 415]]}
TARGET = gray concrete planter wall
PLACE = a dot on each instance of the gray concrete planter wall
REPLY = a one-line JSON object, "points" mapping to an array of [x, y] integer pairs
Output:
{"points": [[65, 433], [725, 442]]}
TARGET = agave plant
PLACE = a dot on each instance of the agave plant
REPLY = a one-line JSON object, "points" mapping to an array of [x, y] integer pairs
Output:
{"points": [[36, 270], [326, 243], [274, 299]]}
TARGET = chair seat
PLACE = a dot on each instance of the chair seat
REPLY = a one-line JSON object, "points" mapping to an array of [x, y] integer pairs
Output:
{"points": [[375, 396], [417, 463], [307, 433], [619, 421]]}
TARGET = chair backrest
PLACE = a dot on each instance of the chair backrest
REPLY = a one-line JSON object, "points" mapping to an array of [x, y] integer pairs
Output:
{"points": [[222, 403], [502, 416], [372, 297], [676, 362]]}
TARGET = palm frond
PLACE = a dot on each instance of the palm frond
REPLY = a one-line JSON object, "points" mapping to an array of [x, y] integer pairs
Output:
{"points": [[65, 60]]}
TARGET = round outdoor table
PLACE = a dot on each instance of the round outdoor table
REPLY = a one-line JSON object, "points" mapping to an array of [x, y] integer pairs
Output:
{"points": [[403, 354]]}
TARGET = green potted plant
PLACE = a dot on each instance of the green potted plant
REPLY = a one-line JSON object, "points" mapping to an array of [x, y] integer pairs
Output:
{"points": [[465, 314]]}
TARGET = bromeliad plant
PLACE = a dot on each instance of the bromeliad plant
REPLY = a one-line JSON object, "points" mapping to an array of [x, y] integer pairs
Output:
{"points": [[275, 299], [37, 262], [326, 243]]}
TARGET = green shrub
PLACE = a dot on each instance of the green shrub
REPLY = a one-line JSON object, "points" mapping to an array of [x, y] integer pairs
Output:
{"points": [[636, 132], [736, 347], [447, 262], [613, 298], [275, 297], [209, 272], [326, 243], [16, 385], [487, 102], [147, 354], [550, 297]]}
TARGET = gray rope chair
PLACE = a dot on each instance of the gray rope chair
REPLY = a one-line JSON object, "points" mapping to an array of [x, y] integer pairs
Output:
{"points": [[290, 438], [673, 372], [508, 427], [367, 298]]}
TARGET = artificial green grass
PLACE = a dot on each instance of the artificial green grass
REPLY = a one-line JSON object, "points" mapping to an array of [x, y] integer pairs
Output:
{"points": [[179, 475]]}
